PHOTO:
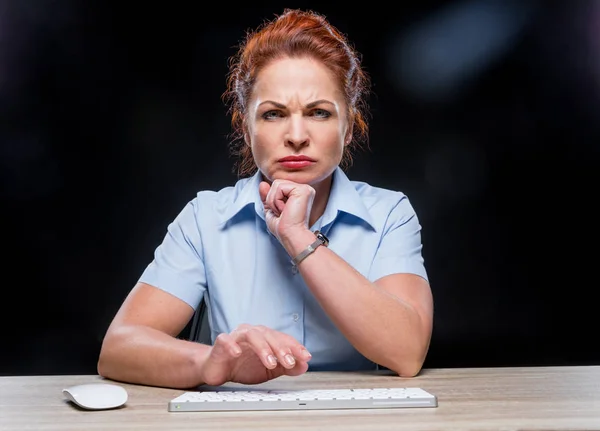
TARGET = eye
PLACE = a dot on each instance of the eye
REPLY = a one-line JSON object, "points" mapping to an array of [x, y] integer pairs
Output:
{"points": [[271, 115], [321, 113]]}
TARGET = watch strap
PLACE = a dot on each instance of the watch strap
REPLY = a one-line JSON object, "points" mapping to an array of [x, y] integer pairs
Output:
{"points": [[320, 240]]}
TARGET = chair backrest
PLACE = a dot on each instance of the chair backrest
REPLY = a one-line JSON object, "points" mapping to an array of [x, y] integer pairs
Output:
{"points": [[200, 329]]}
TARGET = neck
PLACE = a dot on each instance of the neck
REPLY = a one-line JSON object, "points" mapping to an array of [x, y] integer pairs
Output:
{"points": [[322, 190]]}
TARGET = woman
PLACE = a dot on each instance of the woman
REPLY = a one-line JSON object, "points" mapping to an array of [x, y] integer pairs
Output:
{"points": [[298, 264]]}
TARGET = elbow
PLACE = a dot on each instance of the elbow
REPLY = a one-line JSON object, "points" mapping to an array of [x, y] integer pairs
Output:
{"points": [[102, 366], [410, 365], [410, 371], [407, 369], [107, 356]]}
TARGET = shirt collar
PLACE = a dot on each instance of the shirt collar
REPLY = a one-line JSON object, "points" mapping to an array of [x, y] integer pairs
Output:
{"points": [[245, 193], [343, 198]]}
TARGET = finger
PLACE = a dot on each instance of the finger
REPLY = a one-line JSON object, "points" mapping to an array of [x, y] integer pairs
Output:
{"points": [[280, 201], [273, 198], [257, 342], [300, 352], [282, 347], [263, 189], [279, 193], [287, 349], [268, 201], [300, 368], [271, 220], [225, 348], [301, 200]]}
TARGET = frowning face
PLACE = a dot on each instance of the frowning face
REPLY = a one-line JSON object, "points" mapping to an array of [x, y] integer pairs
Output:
{"points": [[297, 125]]}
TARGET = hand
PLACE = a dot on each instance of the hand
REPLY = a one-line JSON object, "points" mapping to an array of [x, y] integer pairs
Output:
{"points": [[253, 354], [287, 206]]}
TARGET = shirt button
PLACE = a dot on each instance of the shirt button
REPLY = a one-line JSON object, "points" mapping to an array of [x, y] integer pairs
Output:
{"points": [[295, 316]]}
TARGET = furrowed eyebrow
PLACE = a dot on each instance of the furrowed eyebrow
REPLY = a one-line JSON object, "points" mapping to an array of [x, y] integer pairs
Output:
{"points": [[318, 102], [309, 106]]}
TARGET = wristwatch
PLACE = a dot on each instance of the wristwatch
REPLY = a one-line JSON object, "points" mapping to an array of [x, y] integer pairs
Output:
{"points": [[320, 240]]}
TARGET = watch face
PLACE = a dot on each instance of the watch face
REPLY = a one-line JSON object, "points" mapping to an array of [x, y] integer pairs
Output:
{"points": [[322, 238]]}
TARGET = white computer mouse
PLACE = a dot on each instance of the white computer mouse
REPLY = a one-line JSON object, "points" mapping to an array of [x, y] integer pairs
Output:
{"points": [[96, 396]]}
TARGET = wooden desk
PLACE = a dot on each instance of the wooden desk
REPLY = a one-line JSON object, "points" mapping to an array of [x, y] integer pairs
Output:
{"points": [[565, 398]]}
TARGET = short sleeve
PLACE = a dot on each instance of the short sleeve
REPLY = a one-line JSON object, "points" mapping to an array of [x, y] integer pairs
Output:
{"points": [[400, 248], [178, 264]]}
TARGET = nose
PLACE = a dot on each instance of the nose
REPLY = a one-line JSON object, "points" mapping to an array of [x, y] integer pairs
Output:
{"points": [[297, 134]]}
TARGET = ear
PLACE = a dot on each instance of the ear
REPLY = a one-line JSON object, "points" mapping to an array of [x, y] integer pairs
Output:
{"points": [[244, 129], [348, 137], [247, 139]]}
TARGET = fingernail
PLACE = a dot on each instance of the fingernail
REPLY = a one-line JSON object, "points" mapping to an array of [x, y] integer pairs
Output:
{"points": [[272, 360], [290, 359], [306, 354]]}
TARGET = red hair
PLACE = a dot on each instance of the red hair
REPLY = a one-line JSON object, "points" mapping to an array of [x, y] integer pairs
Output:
{"points": [[295, 33]]}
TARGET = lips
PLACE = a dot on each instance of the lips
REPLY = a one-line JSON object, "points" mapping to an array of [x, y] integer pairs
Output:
{"points": [[296, 159], [296, 162]]}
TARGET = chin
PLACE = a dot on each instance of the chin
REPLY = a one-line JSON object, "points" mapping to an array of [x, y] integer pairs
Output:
{"points": [[300, 176]]}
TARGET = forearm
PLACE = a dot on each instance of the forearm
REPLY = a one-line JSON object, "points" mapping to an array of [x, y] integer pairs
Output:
{"points": [[382, 327], [142, 355]]}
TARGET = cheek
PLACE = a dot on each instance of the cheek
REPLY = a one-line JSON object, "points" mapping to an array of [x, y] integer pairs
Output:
{"points": [[334, 139], [259, 143]]}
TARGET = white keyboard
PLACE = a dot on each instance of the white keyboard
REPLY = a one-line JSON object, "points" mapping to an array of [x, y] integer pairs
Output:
{"points": [[223, 400]]}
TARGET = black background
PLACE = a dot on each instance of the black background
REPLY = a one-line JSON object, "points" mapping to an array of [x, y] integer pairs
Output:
{"points": [[112, 119]]}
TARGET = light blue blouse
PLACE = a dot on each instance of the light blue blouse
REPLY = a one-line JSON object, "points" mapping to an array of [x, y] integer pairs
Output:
{"points": [[219, 249]]}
